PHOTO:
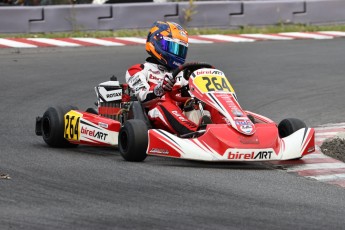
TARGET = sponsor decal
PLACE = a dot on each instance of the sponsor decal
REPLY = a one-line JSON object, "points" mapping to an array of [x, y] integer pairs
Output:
{"points": [[311, 149], [176, 63], [115, 94], [249, 140], [227, 121], [244, 125], [141, 88], [183, 119], [159, 151], [201, 72], [154, 72], [246, 128], [260, 155], [93, 133], [134, 83], [183, 33], [153, 77], [103, 125], [217, 72], [237, 112], [243, 122]]}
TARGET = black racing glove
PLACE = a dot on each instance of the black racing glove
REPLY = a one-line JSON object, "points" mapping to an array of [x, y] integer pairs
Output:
{"points": [[166, 85]]}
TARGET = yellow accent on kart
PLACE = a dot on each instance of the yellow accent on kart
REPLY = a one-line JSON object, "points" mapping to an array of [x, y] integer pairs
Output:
{"points": [[72, 126], [211, 82]]}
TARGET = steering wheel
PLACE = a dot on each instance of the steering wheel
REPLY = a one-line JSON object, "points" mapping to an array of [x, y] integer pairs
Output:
{"points": [[188, 69]]}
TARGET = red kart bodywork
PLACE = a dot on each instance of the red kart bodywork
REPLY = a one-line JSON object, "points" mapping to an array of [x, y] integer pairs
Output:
{"points": [[223, 143], [94, 130], [236, 137]]}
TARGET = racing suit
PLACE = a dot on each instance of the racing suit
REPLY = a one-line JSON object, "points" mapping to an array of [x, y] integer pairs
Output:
{"points": [[163, 113]]}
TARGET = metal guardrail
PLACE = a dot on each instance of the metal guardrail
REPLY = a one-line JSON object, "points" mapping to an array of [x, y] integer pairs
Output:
{"points": [[217, 14]]}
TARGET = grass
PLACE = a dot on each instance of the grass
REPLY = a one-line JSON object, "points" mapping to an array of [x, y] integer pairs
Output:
{"points": [[191, 31]]}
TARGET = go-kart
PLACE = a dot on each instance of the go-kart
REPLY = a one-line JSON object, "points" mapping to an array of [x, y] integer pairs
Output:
{"points": [[230, 133]]}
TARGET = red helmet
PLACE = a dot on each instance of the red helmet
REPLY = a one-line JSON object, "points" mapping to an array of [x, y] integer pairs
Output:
{"points": [[168, 43]]}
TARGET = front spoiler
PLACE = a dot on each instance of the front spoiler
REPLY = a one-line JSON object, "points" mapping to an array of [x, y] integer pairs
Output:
{"points": [[221, 143]]}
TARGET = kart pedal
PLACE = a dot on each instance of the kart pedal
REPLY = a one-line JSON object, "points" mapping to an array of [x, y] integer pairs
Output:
{"points": [[204, 121]]}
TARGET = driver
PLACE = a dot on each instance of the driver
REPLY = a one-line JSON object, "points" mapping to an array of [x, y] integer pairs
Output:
{"points": [[167, 45]]}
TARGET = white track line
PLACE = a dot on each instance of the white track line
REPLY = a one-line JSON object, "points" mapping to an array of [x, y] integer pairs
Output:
{"points": [[227, 38], [197, 41], [333, 33], [267, 36], [15, 44], [99, 41], [321, 134], [315, 155], [54, 42], [296, 168], [330, 177], [133, 39], [307, 35]]}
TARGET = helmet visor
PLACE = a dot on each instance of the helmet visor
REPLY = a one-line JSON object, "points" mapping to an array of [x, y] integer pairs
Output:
{"points": [[174, 48]]}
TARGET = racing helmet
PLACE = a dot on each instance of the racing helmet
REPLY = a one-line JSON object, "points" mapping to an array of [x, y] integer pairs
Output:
{"points": [[167, 42]]}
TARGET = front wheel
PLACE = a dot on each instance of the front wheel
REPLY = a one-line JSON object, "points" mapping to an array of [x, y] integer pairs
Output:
{"points": [[133, 140], [52, 126], [290, 125]]}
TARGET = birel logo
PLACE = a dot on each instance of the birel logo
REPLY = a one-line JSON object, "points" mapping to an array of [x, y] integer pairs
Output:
{"points": [[261, 155], [200, 72], [153, 77], [92, 133]]}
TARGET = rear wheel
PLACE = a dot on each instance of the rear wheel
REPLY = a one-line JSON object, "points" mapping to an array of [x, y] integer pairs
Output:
{"points": [[133, 140], [290, 125], [53, 126]]}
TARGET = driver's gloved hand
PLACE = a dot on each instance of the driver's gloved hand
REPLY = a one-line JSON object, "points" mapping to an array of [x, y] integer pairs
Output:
{"points": [[168, 82], [166, 85]]}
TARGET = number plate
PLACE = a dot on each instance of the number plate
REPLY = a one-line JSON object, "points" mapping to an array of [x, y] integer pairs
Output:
{"points": [[72, 131], [210, 83]]}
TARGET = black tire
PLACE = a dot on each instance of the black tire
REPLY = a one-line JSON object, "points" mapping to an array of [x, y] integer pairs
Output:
{"points": [[133, 140], [137, 112], [53, 126], [290, 125], [92, 110]]}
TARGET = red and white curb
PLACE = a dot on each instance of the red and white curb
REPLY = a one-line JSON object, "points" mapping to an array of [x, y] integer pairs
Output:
{"points": [[318, 166], [193, 39]]}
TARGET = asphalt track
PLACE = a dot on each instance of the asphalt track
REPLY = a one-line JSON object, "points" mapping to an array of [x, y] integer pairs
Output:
{"points": [[93, 188]]}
